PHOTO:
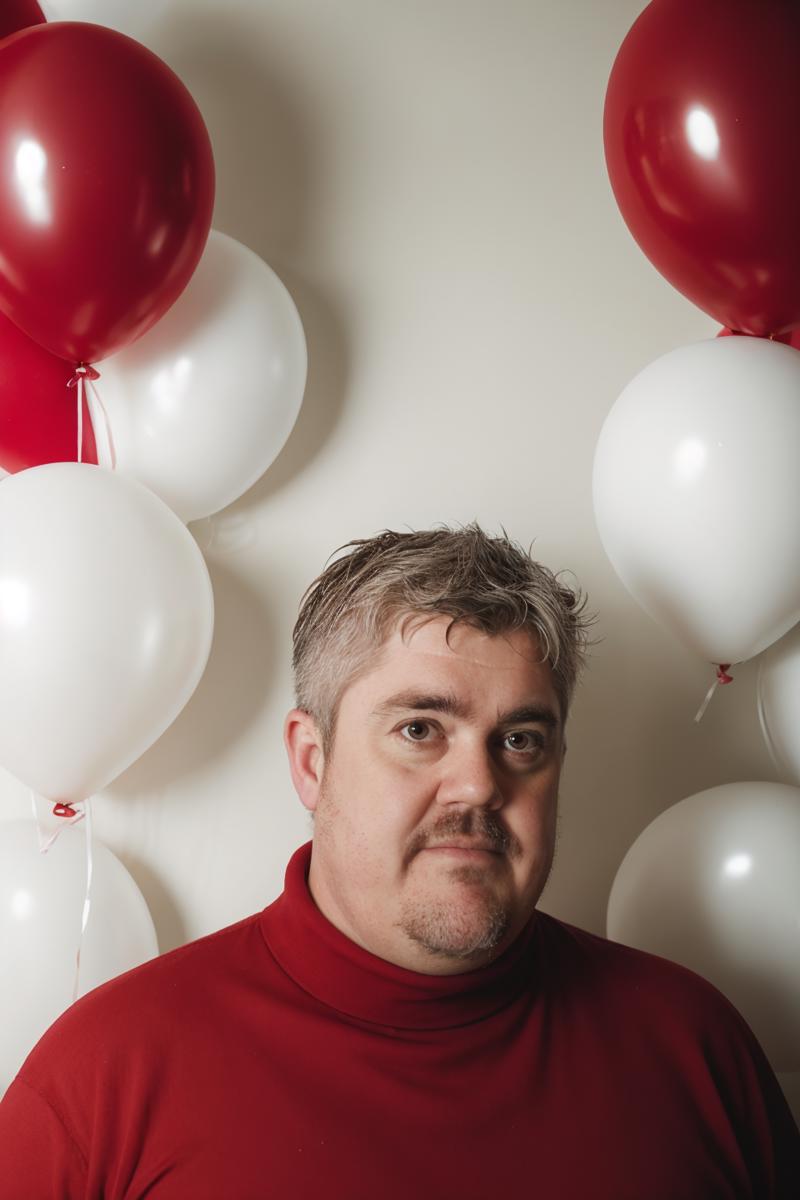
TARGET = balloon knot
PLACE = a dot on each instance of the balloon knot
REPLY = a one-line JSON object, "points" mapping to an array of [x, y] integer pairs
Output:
{"points": [[83, 371], [722, 673], [64, 810]]}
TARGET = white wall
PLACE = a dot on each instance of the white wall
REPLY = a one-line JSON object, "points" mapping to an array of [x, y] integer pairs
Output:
{"points": [[427, 178]]}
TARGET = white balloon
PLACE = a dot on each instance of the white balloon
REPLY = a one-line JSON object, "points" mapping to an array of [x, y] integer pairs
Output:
{"points": [[202, 404], [106, 619], [697, 493], [714, 883], [41, 907], [779, 703]]}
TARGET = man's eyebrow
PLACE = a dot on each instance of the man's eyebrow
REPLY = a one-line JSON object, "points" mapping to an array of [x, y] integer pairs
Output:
{"points": [[422, 702], [449, 705], [534, 714]]}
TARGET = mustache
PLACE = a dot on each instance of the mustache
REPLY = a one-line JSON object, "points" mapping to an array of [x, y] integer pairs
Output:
{"points": [[476, 823]]}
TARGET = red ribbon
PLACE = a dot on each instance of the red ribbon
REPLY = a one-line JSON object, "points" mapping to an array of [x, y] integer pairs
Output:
{"points": [[83, 371], [64, 810], [722, 673]]}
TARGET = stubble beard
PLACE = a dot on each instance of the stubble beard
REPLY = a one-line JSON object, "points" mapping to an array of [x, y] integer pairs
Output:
{"points": [[445, 931], [475, 920]]}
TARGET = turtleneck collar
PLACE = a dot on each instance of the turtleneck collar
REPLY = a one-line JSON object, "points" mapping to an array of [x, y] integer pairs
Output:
{"points": [[338, 973]]}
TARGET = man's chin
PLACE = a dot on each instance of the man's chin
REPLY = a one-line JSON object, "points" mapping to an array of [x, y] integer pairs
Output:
{"points": [[463, 921]]}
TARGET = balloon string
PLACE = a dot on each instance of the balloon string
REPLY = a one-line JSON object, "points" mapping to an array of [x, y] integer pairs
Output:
{"points": [[75, 816], [82, 372], [44, 845], [722, 678], [96, 397], [83, 812], [87, 901], [79, 390]]}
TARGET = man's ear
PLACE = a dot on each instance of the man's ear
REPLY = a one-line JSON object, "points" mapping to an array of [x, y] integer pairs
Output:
{"points": [[306, 761]]}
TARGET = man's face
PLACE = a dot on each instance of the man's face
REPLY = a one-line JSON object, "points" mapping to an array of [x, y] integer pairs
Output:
{"points": [[436, 807]]}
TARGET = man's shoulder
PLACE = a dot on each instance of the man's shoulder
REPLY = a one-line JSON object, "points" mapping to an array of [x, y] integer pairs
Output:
{"points": [[179, 967], [615, 974], [174, 986], [582, 950]]}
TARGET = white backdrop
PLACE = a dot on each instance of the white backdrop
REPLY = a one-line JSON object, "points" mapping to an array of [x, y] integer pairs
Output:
{"points": [[427, 179]]}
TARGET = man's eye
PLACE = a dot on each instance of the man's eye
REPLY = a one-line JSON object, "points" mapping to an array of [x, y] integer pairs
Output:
{"points": [[416, 731], [523, 741]]}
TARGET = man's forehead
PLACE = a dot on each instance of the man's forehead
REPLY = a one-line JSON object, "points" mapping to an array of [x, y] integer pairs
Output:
{"points": [[430, 662], [458, 666], [439, 636]]}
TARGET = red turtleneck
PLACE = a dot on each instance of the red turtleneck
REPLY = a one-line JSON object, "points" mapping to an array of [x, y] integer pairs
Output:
{"points": [[278, 1059]]}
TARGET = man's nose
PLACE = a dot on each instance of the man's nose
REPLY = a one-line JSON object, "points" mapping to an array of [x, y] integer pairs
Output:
{"points": [[469, 777]]}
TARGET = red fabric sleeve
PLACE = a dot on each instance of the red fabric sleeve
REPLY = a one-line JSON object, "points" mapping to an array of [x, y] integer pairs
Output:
{"points": [[768, 1132], [38, 1157]]}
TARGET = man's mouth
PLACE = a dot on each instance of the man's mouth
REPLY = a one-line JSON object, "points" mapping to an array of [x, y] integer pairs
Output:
{"points": [[467, 835], [459, 846]]}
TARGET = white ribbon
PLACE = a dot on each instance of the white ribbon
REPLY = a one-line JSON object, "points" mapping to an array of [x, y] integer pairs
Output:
{"points": [[722, 678], [48, 839], [84, 377], [701, 710], [79, 390], [106, 455], [87, 900]]}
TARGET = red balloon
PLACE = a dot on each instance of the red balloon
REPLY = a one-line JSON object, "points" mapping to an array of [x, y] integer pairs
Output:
{"points": [[19, 14], [38, 411], [700, 127], [106, 187]]}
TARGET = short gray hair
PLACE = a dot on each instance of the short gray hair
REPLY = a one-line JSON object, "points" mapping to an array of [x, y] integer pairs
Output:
{"points": [[490, 583]]}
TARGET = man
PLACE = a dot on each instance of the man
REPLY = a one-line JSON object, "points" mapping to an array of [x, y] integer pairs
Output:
{"points": [[401, 1022]]}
